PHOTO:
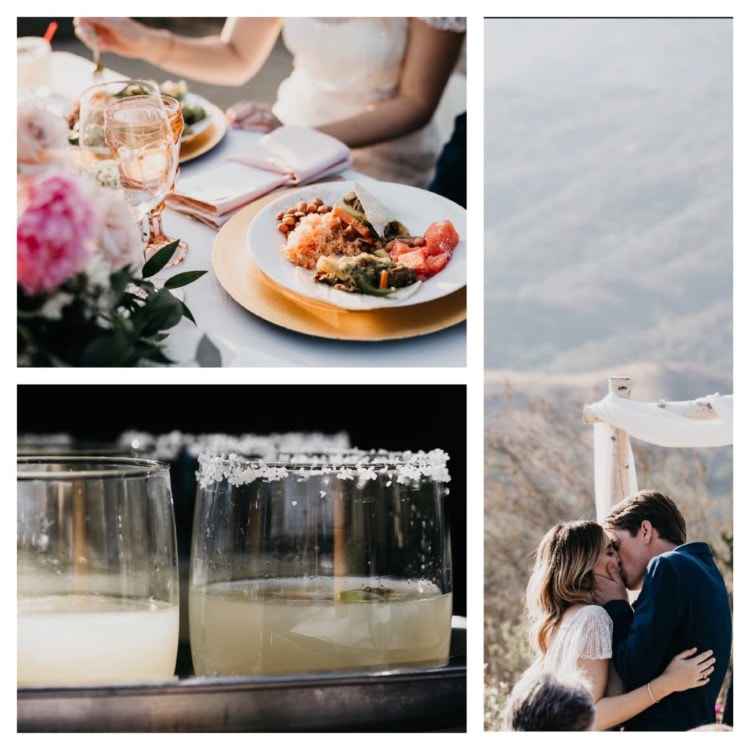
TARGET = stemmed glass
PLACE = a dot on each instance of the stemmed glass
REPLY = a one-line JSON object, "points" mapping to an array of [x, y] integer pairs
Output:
{"points": [[97, 158], [157, 237], [97, 571], [138, 131], [320, 563]]}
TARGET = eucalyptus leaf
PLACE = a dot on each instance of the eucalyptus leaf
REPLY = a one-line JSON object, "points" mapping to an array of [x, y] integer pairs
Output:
{"points": [[183, 279], [159, 259]]}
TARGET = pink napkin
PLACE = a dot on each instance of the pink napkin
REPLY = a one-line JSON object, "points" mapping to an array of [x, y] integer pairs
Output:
{"points": [[287, 156]]}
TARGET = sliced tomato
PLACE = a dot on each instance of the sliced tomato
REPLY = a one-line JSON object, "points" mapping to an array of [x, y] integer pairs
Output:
{"points": [[416, 261], [436, 263], [441, 237], [398, 249]]}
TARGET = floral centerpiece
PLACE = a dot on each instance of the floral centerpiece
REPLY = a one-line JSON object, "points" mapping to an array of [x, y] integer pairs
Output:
{"points": [[85, 298]]}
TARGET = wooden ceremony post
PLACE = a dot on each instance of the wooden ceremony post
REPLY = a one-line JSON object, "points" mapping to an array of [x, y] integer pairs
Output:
{"points": [[621, 485], [613, 475]]}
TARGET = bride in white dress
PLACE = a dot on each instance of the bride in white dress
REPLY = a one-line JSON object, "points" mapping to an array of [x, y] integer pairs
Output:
{"points": [[373, 83], [572, 637]]}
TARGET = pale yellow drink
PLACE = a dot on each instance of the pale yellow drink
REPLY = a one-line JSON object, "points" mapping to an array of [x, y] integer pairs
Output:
{"points": [[282, 626], [90, 639]]}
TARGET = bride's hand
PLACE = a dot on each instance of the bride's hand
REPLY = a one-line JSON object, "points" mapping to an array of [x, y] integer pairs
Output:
{"points": [[610, 587], [123, 36], [253, 116], [687, 671]]}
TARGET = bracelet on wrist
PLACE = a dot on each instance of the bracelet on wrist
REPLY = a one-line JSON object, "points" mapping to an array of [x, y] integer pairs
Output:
{"points": [[651, 693]]}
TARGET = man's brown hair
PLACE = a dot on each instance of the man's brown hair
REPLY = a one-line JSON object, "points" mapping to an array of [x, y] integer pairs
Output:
{"points": [[652, 506]]}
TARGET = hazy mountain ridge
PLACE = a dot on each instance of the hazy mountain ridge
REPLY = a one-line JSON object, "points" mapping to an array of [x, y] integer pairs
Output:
{"points": [[608, 198]]}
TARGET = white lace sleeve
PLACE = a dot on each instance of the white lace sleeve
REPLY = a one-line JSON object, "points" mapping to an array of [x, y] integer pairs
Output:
{"points": [[447, 24], [595, 634]]}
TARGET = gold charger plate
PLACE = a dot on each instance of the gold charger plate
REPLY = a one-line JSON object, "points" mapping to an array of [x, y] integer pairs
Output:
{"points": [[202, 142], [249, 287]]}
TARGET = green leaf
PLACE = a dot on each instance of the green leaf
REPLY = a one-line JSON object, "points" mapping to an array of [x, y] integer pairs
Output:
{"points": [[159, 259], [186, 312], [183, 279], [119, 281], [162, 310]]}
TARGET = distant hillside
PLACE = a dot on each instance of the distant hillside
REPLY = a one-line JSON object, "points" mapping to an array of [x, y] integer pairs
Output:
{"points": [[608, 194]]}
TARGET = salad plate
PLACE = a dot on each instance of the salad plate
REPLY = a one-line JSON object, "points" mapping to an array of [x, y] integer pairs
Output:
{"points": [[363, 245]]}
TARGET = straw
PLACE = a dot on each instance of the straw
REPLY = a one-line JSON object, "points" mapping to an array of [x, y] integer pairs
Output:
{"points": [[51, 29]]}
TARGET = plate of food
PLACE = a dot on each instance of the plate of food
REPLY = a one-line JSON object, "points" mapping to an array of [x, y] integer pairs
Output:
{"points": [[362, 245], [205, 123]]}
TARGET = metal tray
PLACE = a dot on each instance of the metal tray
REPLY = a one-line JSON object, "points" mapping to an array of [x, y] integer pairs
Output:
{"points": [[403, 700]]}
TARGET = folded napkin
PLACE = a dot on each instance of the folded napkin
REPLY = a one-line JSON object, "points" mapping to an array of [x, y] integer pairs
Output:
{"points": [[287, 156]]}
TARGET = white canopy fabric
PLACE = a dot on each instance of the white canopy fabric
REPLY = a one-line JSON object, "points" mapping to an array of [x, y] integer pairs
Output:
{"points": [[703, 423]]}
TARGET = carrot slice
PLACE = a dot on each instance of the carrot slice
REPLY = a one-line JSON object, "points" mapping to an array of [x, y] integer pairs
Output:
{"points": [[384, 279]]}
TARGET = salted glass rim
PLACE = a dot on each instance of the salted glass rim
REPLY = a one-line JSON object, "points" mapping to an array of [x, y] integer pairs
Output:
{"points": [[109, 466], [331, 459], [406, 466]]}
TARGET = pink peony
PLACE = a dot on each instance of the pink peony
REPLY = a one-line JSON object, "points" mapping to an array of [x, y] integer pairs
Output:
{"points": [[53, 234]]}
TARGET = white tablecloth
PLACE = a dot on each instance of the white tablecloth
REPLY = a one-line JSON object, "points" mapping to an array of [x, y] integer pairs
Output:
{"points": [[243, 339]]}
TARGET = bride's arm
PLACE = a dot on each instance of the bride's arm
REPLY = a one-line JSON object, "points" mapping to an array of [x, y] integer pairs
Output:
{"points": [[684, 672], [616, 709], [229, 59], [430, 58]]}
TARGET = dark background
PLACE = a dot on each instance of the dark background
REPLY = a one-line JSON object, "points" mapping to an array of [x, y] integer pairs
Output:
{"points": [[399, 417]]}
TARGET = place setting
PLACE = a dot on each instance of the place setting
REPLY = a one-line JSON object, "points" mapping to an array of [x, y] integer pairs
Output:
{"points": [[303, 240]]}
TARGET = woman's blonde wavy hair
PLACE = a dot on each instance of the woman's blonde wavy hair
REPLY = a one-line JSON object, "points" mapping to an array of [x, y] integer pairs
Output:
{"points": [[563, 575]]}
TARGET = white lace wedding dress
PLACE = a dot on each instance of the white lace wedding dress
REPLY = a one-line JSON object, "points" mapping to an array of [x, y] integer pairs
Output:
{"points": [[585, 633], [341, 67]]}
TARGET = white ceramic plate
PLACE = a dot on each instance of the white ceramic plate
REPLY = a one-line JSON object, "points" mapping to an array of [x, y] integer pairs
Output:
{"points": [[415, 208], [206, 122]]}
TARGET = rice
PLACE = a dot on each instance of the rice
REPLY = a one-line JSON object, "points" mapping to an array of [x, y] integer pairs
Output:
{"points": [[316, 235]]}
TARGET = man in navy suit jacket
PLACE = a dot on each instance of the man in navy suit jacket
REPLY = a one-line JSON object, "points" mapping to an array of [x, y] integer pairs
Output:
{"points": [[683, 603]]}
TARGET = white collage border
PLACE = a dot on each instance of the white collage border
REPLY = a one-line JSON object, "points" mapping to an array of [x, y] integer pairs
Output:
{"points": [[472, 375]]}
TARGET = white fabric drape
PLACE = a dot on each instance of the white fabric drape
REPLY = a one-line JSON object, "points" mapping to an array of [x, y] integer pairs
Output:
{"points": [[703, 423], [670, 424]]}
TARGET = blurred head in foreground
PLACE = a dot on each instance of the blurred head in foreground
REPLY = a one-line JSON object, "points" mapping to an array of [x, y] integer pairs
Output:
{"points": [[545, 704]]}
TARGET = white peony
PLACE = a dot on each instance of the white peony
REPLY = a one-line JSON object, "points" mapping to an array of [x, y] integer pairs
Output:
{"points": [[118, 240], [42, 134]]}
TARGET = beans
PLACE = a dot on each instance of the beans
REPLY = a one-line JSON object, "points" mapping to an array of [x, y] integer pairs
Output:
{"points": [[289, 218]]}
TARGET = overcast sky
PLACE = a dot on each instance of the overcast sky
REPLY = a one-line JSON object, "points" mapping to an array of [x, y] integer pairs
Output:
{"points": [[608, 196]]}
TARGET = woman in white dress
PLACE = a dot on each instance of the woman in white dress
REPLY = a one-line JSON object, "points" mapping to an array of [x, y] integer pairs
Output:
{"points": [[373, 83], [572, 637]]}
